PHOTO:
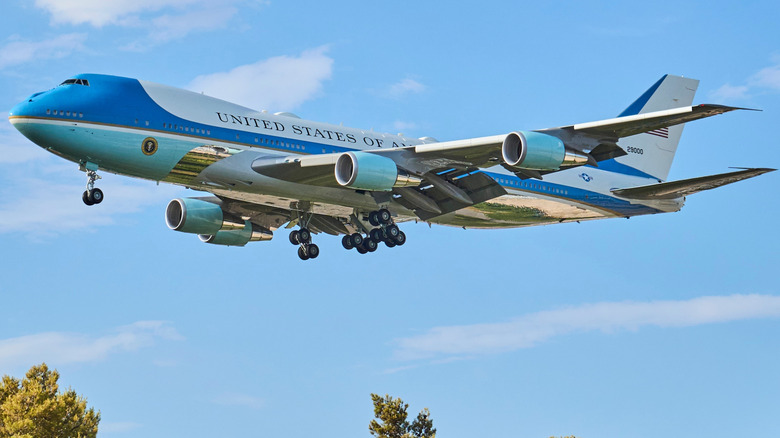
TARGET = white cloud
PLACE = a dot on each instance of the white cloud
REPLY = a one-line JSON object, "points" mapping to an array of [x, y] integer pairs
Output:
{"points": [[15, 148], [170, 27], [19, 51], [728, 92], [404, 87], [401, 126], [280, 83], [102, 12], [118, 427], [55, 187], [766, 79], [241, 400], [530, 330], [61, 348], [160, 20]]}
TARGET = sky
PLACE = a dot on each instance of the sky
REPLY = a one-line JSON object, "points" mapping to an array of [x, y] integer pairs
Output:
{"points": [[664, 325]]}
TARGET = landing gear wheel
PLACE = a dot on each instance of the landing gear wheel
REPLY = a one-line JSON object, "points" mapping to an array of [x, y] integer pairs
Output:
{"points": [[313, 251], [346, 242], [369, 245], [295, 237], [392, 231], [376, 234], [384, 216], [303, 254], [304, 235], [390, 243], [400, 239], [357, 240], [95, 195], [360, 249], [373, 218], [85, 198]]}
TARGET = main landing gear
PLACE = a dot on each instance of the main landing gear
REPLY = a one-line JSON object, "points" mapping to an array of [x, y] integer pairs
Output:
{"points": [[385, 231], [92, 195], [302, 238], [306, 250]]}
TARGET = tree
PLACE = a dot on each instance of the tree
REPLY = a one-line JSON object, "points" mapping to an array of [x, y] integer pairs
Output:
{"points": [[392, 423], [35, 408]]}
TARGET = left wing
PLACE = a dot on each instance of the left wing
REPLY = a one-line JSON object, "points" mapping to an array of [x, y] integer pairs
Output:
{"points": [[685, 187]]}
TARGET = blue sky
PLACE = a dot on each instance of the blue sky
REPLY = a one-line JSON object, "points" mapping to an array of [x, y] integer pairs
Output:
{"points": [[661, 325]]}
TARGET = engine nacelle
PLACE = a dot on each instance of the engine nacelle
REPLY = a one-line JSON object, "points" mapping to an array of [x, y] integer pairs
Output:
{"points": [[250, 233], [537, 151], [532, 150], [366, 171], [191, 215]]}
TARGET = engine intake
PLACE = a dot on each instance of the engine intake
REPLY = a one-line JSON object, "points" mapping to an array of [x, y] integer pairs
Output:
{"points": [[367, 171], [191, 215], [537, 151]]}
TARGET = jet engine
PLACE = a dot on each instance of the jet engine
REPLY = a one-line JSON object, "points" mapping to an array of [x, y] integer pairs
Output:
{"points": [[537, 151], [192, 215], [211, 223], [366, 171]]}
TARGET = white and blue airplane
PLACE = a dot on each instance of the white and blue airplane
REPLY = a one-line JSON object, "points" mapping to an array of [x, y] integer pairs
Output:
{"points": [[265, 171]]}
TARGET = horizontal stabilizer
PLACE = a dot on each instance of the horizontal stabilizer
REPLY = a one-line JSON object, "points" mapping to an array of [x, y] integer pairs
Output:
{"points": [[678, 189]]}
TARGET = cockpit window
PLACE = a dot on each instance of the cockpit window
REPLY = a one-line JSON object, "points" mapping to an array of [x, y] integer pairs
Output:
{"points": [[76, 81]]}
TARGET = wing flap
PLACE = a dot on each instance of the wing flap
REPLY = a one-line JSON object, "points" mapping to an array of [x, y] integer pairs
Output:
{"points": [[678, 189]]}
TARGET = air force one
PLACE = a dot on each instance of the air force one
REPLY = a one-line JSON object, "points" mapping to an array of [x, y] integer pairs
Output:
{"points": [[265, 171]]}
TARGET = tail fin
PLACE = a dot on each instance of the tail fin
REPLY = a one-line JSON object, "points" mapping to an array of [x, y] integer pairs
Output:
{"points": [[652, 152]]}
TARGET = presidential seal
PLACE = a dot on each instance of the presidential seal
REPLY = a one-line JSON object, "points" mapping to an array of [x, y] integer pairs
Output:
{"points": [[149, 146]]}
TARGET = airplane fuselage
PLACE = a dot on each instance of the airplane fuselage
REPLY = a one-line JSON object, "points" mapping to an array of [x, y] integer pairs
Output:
{"points": [[161, 133]]}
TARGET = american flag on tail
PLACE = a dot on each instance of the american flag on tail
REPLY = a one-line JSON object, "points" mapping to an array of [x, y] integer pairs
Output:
{"points": [[660, 132]]}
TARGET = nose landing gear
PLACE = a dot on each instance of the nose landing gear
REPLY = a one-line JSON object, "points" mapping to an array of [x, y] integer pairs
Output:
{"points": [[92, 195]]}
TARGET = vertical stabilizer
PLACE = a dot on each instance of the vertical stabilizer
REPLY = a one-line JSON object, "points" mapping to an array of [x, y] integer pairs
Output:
{"points": [[652, 152]]}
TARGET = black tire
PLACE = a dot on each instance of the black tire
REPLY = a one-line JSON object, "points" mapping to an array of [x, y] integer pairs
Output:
{"points": [[390, 243], [96, 196], [357, 240], [392, 231], [384, 216], [346, 242], [305, 235], [85, 198], [313, 251], [400, 239], [369, 245], [376, 235], [373, 218], [295, 237], [360, 249], [302, 253]]}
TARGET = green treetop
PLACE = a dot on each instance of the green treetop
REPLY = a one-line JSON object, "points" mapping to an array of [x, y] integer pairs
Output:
{"points": [[35, 408], [392, 423]]}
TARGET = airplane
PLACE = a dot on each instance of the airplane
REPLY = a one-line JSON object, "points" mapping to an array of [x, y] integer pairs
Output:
{"points": [[265, 171]]}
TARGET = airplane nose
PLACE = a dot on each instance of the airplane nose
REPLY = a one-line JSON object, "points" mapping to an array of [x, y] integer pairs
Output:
{"points": [[19, 110], [30, 107]]}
